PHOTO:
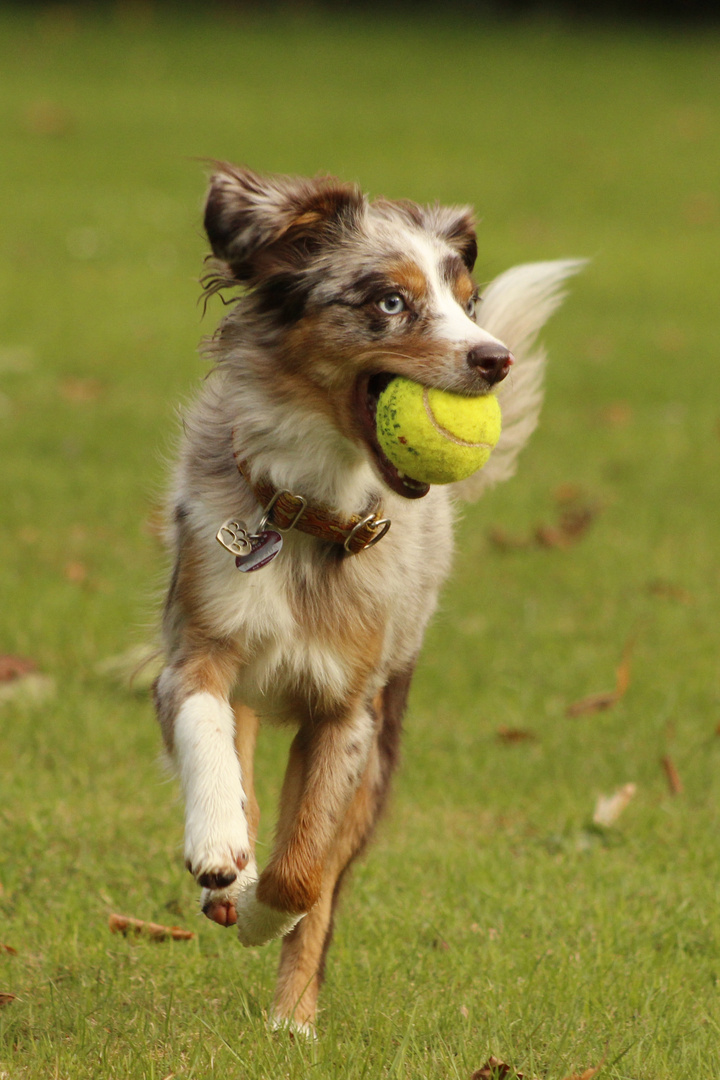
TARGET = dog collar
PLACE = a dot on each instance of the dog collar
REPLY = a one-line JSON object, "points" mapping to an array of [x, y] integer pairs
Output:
{"points": [[286, 510]]}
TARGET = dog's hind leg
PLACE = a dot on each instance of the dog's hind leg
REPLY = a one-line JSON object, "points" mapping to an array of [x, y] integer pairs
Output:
{"points": [[304, 949]]}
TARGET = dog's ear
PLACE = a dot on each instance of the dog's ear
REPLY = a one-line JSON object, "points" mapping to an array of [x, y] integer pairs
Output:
{"points": [[456, 226], [252, 220]]}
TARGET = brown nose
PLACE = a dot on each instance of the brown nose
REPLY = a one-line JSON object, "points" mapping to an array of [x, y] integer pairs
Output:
{"points": [[490, 360]]}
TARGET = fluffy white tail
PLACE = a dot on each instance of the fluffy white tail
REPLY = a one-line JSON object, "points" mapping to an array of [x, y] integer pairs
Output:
{"points": [[514, 308]]}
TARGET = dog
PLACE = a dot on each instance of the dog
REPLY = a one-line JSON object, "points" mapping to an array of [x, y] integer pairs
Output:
{"points": [[306, 566]]}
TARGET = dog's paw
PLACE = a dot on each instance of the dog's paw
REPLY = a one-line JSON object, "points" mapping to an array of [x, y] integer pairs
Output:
{"points": [[218, 873], [256, 922], [292, 1026], [220, 903], [214, 858]]}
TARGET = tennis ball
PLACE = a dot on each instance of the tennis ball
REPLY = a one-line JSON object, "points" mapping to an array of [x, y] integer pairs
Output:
{"points": [[434, 436]]}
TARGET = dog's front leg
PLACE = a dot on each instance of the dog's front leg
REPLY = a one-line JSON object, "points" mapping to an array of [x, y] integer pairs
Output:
{"points": [[327, 760], [199, 727]]}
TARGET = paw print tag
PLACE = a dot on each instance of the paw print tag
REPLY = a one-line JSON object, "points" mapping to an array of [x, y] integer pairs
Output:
{"points": [[233, 536]]}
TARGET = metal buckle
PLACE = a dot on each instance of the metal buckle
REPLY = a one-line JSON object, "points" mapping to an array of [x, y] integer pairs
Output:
{"points": [[375, 523], [270, 506]]}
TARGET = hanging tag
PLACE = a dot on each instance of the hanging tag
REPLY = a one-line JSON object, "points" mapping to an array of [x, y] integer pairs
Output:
{"points": [[233, 536], [265, 546]]}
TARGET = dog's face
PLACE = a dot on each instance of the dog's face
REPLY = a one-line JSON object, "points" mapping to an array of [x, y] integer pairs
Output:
{"points": [[350, 292]]}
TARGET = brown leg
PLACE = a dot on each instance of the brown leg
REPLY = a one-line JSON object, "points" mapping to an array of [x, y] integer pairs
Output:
{"points": [[246, 729], [304, 950]]}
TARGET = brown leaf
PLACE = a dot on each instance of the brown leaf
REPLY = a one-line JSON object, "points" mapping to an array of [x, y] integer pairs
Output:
{"points": [[587, 1075], [617, 414], [80, 391], [506, 541], [76, 572], [673, 776], [600, 702], [48, 118], [123, 924], [13, 667], [6, 998], [668, 591], [511, 735], [494, 1069], [593, 703], [573, 525], [567, 493], [8, 949]]}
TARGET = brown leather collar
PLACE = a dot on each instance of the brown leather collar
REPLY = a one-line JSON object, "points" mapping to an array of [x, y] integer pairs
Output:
{"points": [[287, 511]]}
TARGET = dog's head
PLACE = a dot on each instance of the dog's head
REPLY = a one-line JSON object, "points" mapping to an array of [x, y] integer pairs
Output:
{"points": [[349, 292]]}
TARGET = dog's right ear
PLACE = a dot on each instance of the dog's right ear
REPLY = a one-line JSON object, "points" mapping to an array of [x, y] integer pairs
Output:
{"points": [[248, 216]]}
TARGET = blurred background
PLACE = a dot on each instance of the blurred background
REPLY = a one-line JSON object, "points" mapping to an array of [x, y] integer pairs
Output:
{"points": [[586, 130]]}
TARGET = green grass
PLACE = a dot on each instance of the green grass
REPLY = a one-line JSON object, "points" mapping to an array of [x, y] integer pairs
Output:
{"points": [[490, 917]]}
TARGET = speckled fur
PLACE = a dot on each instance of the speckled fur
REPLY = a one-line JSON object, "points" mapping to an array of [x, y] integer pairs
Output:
{"points": [[317, 639]]}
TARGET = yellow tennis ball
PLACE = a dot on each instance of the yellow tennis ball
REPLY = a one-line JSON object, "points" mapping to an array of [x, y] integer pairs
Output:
{"points": [[434, 436]]}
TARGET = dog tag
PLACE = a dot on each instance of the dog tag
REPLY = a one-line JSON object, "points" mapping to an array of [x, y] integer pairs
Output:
{"points": [[264, 547], [233, 536]]}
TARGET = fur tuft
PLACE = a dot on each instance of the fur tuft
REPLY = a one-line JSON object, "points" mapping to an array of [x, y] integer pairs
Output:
{"points": [[514, 308]]}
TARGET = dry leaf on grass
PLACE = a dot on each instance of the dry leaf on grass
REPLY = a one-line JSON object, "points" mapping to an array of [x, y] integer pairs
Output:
{"points": [[668, 591], [123, 924], [14, 667], [608, 808], [600, 702], [616, 414], [48, 118], [495, 1069], [573, 525], [587, 1075], [76, 572], [673, 776], [510, 735], [506, 541], [8, 949], [574, 521], [6, 998], [80, 391]]}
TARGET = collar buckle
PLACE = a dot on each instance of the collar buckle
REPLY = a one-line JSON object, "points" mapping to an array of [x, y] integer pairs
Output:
{"points": [[271, 506], [375, 524]]}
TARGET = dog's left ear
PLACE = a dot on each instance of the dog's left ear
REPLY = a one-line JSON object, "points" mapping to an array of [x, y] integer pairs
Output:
{"points": [[456, 226]]}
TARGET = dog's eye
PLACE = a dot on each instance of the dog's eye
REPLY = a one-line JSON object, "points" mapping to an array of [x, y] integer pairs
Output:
{"points": [[392, 304], [470, 307]]}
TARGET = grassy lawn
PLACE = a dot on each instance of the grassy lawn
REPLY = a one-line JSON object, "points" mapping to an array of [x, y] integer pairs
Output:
{"points": [[491, 917]]}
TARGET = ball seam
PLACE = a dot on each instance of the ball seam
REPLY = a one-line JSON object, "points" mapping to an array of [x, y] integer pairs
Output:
{"points": [[448, 434]]}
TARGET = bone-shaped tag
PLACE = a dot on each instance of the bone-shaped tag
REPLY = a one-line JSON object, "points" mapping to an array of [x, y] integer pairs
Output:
{"points": [[233, 536]]}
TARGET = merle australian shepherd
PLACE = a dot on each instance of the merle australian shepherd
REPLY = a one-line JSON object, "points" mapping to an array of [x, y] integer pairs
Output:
{"points": [[311, 609]]}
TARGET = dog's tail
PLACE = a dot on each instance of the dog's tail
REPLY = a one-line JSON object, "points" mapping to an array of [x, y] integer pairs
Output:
{"points": [[514, 308]]}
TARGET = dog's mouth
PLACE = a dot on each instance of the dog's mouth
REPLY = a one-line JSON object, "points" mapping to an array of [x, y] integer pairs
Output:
{"points": [[367, 391]]}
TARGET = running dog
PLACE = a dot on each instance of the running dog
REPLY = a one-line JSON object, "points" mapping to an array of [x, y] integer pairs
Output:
{"points": [[306, 566]]}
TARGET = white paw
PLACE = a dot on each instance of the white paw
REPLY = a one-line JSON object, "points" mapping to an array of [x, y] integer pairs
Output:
{"points": [[293, 1027], [228, 894], [217, 845], [256, 922], [217, 855]]}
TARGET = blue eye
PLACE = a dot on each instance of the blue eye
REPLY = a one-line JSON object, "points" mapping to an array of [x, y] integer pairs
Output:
{"points": [[470, 307], [392, 304]]}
